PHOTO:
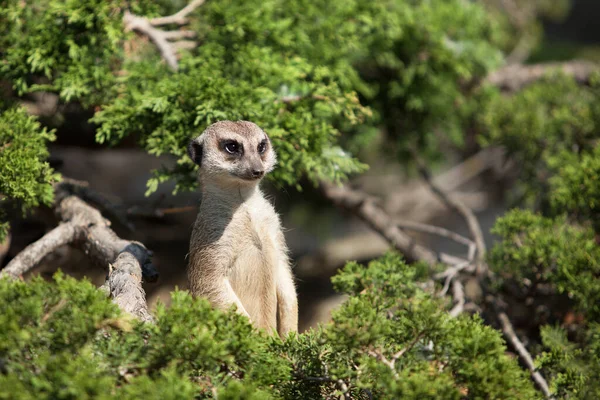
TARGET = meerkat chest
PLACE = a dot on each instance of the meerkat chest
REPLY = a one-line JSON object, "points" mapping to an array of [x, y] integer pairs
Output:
{"points": [[254, 266], [255, 233]]}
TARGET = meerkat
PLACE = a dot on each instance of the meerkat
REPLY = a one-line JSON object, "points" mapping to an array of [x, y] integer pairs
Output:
{"points": [[238, 254]]}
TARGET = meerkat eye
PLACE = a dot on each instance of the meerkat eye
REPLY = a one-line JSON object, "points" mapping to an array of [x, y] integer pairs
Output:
{"points": [[232, 147], [262, 146]]}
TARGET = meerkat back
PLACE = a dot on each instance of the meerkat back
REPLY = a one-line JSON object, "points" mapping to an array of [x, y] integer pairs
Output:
{"points": [[238, 254]]}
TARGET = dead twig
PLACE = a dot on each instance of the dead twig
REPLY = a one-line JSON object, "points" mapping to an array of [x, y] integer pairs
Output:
{"points": [[63, 234], [515, 77], [180, 17], [391, 363], [460, 208], [511, 336], [439, 231], [364, 207], [167, 42], [450, 274], [409, 347], [458, 294]]}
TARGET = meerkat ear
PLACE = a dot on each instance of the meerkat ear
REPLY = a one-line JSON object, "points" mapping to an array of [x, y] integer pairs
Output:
{"points": [[195, 151]]}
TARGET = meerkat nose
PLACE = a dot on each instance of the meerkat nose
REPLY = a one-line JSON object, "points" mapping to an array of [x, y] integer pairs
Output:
{"points": [[257, 173]]}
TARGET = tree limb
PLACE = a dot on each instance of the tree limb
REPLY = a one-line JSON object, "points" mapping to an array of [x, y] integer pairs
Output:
{"points": [[63, 234], [458, 294], [515, 77], [84, 227], [364, 207], [524, 355], [180, 17], [437, 230], [125, 282], [82, 190]]}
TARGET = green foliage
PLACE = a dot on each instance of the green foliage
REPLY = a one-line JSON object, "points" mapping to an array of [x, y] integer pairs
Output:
{"points": [[574, 367], [576, 186], [25, 176], [537, 251], [563, 360], [70, 47], [551, 131], [410, 62], [545, 127], [321, 78], [166, 111], [541, 250], [64, 340]]}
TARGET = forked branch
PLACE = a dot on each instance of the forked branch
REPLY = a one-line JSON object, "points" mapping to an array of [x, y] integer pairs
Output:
{"points": [[457, 206], [364, 207], [167, 42], [83, 226]]}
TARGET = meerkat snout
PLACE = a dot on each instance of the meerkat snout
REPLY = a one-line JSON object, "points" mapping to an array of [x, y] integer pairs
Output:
{"points": [[240, 152]]}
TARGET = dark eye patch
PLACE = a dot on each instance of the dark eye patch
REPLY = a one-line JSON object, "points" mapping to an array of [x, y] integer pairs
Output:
{"points": [[262, 146], [232, 147]]}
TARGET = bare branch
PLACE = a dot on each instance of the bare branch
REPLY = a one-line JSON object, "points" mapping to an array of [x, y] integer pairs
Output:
{"points": [[364, 207], [509, 332], [160, 38], [391, 363], [184, 45], [294, 98], [125, 282], [449, 275], [150, 212], [515, 77], [522, 50], [84, 227], [180, 17], [437, 230], [409, 347], [174, 35], [27, 259], [143, 26], [458, 175], [458, 293], [458, 207], [98, 241]]}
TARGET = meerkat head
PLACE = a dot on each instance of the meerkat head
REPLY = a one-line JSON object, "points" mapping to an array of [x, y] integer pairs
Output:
{"points": [[233, 152]]}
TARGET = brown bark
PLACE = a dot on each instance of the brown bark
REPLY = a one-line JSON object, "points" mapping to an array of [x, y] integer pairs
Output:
{"points": [[84, 227]]}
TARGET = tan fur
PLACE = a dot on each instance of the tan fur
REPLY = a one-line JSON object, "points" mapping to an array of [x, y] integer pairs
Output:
{"points": [[237, 249]]}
